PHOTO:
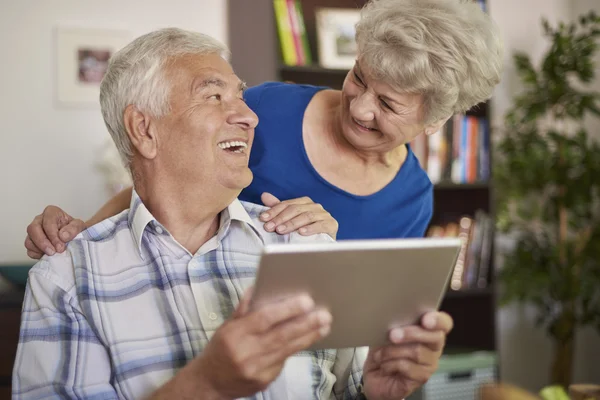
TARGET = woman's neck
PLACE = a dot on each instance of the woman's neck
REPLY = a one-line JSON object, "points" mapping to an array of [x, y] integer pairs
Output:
{"points": [[335, 159]]}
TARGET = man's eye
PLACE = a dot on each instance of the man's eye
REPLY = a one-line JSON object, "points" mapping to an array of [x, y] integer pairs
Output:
{"points": [[215, 96]]}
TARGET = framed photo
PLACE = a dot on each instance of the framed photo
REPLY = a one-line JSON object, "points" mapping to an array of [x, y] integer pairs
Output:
{"points": [[81, 61], [335, 37]]}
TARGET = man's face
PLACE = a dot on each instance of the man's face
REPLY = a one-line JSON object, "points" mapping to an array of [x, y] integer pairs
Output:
{"points": [[206, 137]]}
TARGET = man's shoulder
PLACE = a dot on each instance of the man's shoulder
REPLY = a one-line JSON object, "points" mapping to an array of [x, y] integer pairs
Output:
{"points": [[60, 268], [254, 211], [103, 230]]}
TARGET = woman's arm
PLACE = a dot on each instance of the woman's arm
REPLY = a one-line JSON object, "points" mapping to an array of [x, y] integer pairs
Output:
{"points": [[112, 207]]}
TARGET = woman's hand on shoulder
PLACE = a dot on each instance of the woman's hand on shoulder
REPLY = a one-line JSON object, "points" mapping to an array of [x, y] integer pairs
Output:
{"points": [[302, 215]]}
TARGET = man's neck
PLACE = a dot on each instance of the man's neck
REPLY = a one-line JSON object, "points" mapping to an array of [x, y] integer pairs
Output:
{"points": [[191, 216]]}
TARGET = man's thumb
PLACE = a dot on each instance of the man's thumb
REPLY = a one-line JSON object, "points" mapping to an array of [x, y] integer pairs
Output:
{"points": [[269, 200]]}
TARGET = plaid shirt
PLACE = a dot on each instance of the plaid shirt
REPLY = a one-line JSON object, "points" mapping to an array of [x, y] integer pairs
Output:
{"points": [[126, 306]]}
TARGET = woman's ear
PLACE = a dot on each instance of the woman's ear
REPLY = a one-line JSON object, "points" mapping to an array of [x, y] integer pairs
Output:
{"points": [[436, 126], [143, 139]]}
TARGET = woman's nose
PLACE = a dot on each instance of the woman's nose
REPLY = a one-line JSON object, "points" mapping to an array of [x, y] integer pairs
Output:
{"points": [[362, 107]]}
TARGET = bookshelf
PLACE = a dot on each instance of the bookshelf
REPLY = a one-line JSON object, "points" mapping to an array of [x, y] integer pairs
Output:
{"points": [[473, 309]]}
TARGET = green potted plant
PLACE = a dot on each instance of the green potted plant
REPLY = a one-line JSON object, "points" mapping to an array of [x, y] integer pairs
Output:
{"points": [[547, 187]]}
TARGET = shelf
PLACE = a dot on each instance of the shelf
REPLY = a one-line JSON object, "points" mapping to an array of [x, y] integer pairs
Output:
{"points": [[467, 293], [315, 69], [465, 186]]}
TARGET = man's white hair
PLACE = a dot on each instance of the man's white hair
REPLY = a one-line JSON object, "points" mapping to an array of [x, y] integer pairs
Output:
{"points": [[136, 76], [449, 51]]}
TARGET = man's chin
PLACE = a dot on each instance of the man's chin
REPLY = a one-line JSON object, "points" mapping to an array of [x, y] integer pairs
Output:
{"points": [[240, 181]]}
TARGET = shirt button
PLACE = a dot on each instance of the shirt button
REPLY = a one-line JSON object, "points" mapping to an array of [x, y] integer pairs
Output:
{"points": [[212, 316], [159, 230]]}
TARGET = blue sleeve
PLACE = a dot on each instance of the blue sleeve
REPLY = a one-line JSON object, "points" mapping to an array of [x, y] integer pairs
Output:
{"points": [[419, 225], [253, 95]]}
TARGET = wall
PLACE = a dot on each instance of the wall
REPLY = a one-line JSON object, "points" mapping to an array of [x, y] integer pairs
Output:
{"points": [[48, 154], [254, 63], [525, 350]]}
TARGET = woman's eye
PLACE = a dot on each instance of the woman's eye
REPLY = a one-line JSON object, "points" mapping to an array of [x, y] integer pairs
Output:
{"points": [[215, 96], [384, 104], [358, 79]]}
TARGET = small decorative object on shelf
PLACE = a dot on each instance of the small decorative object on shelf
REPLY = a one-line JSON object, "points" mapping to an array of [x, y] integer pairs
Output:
{"points": [[335, 37], [459, 376]]}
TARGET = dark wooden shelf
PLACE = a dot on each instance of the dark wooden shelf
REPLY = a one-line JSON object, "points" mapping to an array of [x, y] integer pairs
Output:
{"points": [[311, 69], [465, 186]]}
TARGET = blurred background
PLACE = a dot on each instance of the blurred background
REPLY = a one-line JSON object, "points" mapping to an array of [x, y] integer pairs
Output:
{"points": [[54, 149]]}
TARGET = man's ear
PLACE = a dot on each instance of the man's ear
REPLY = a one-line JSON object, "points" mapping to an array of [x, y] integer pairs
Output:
{"points": [[137, 125], [436, 126]]}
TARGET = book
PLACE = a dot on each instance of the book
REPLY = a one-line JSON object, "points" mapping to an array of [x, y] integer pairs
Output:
{"points": [[284, 30]]}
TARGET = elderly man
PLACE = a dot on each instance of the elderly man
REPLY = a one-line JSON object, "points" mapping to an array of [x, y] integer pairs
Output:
{"points": [[148, 304]]}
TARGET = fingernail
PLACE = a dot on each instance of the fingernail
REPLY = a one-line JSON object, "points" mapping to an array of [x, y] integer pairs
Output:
{"points": [[430, 321], [64, 235], [281, 228], [50, 251], [397, 335], [264, 216], [269, 226], [324, 330], [306, 303], [324, 317], [303, 230], [59, 248]]}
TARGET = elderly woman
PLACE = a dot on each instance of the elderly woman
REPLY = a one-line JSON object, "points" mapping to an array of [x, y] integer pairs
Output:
{"points": [[419, 63]]}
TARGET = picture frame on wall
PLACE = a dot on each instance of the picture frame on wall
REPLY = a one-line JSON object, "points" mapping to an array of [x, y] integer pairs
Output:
{"points": [[336, 45], [82, 56]]}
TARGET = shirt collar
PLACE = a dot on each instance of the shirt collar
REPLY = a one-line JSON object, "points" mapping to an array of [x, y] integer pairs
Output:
{"points": [[140, 217]]}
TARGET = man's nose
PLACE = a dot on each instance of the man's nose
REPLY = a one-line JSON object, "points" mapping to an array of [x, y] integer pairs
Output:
{"points": [[362, 107], [243, 116]]}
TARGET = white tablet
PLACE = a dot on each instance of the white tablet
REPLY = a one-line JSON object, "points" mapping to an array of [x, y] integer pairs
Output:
{"points": [[369, 286]]}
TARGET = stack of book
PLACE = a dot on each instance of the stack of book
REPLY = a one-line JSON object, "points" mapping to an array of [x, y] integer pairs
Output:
{"points": [[459, 152], [292, 32], [472, 266]]}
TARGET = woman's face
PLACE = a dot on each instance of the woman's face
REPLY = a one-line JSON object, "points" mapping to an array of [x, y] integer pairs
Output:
{"points": [[377, 118]]}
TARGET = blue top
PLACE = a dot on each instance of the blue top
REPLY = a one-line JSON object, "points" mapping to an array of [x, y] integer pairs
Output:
{"points": [[281, 166]]}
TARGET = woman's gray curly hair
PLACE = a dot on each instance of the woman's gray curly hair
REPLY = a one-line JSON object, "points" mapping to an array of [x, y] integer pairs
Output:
{"points": [[449, 51]]}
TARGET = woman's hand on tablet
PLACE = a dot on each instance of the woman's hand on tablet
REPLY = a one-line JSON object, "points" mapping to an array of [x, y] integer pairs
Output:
{"points": [[394, 371], [301, 214]]}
